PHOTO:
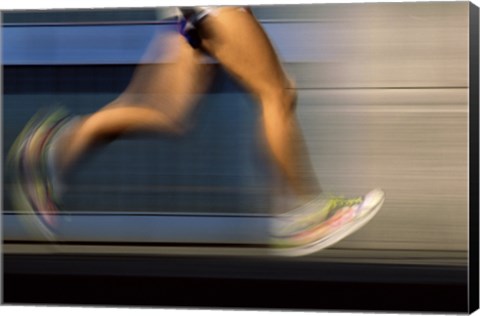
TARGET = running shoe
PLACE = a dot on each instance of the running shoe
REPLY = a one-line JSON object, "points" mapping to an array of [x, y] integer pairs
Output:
{"points": [[31, 162], [322, 223]]}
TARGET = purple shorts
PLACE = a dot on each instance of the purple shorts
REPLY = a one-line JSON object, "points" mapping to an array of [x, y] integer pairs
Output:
{"points": [[189, 20]]}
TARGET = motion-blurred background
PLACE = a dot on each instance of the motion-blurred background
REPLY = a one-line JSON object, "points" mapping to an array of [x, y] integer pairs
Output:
{"points": [[383, 102]]}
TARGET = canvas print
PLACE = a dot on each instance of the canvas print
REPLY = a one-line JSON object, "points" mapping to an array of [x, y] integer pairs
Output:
{"points": [[312, 157]]}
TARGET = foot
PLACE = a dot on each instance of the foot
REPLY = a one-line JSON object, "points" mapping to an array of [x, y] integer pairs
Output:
{"points": [[31, 160], [323, 222]]}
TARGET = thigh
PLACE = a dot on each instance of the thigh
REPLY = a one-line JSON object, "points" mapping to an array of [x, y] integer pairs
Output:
{"points": [[235, 38], [169, 79]]}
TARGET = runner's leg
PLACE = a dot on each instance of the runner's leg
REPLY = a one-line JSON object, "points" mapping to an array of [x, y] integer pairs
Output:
{"points": [[158, 99], [236, 39]]}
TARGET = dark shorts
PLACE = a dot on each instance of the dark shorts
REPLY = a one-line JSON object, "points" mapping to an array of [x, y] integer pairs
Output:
{"points": [[188, 22]]}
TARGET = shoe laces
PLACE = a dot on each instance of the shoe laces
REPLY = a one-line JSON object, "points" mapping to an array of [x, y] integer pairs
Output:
{"points": [[332, 206], [336, 202]]}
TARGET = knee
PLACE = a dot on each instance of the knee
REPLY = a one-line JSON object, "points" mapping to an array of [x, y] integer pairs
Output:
{"points": [[291, 91], [179, 128], [179, 124], [282, 97]]}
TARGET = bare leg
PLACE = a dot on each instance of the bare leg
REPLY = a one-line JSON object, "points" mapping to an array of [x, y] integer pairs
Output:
{"points": [[237, 40], [158, 99]]}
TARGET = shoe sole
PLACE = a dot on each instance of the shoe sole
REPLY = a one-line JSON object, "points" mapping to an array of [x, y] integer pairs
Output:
{"points": [[338, 235]]}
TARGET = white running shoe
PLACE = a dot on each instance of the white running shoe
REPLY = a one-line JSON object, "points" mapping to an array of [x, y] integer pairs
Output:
{"points": [[322, 223]]}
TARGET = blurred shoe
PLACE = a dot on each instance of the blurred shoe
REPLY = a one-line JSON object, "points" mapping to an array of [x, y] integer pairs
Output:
{"points": [[322, 223], [31, 159]]}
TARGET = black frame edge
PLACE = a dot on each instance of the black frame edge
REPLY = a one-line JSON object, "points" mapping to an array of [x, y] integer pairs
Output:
{"points": [[474, 158], [166, 281]]}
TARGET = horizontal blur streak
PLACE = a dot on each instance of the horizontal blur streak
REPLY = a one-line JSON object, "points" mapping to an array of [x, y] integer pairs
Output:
{"points": [[383, 101]]}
